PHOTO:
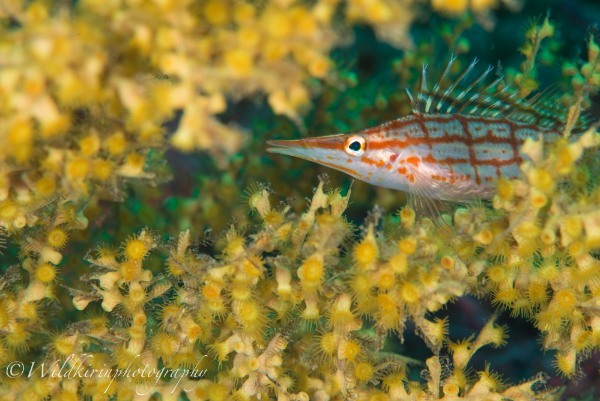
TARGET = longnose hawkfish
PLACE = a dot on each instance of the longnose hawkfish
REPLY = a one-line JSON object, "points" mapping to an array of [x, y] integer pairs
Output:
{"points": [[461, 136]]}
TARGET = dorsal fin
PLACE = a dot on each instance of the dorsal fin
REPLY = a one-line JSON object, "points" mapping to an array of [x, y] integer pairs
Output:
{"points": [[485, 97]]}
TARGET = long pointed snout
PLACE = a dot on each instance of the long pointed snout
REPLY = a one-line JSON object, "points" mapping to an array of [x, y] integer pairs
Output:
{"points": [[312, 149], [326, 150], [281, 146], [290, 148]]}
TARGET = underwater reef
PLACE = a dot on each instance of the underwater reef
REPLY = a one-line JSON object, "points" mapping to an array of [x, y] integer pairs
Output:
{"points": [[151, 249]]}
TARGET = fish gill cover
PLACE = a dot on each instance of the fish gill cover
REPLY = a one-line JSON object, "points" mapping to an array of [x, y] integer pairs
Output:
{"points": [[153, 250]]}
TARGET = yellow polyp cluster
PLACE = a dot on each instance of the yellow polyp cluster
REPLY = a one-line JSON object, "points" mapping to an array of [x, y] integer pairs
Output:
{"points": [[266, 308], [550, 223], [85, 97], [123, 282]]}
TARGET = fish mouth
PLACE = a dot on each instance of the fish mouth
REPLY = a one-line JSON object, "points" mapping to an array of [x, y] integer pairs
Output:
{"points": [[284, 147], [307, 148], [296, 148], [324, 150], [285, 144]]}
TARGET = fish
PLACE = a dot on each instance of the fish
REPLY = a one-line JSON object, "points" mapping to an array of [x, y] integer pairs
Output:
{"points": [[460, 138]]}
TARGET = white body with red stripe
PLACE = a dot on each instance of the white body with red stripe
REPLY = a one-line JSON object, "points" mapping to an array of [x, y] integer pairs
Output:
{"points": [[454, 146], [447, 157]]}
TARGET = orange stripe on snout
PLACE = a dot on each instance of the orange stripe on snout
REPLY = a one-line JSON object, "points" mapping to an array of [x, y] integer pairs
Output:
{"points": [[324, 142], [325, 145]]}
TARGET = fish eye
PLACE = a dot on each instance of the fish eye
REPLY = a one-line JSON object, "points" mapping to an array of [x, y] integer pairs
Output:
{"points": [[355, 145]]}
